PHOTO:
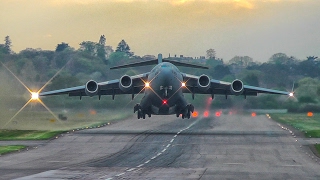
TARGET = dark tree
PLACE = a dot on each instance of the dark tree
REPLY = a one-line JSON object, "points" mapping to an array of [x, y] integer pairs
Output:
{"points": [[62, 46], [89, 47], [100, 47], [251, 79], [312, 58], [124, 47], [220, 71], [7, 45], [281, 58], [211, 54], [2, 49], [102, 40]]}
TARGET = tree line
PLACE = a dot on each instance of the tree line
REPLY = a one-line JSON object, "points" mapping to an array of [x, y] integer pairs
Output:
{"points": [[92, 60]]}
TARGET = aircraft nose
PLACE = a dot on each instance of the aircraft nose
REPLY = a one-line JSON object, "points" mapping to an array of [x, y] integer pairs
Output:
{"points": [[165, 76]]}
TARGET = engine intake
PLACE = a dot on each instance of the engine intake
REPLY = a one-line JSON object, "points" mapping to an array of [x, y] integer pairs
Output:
{"points": [[125, 83], [92, 88], [203, 83], [236, 87]]}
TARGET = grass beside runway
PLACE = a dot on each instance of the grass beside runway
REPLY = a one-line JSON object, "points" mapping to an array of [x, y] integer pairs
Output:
{"points": [[62, 120], [6, 135], [317, 146], [310, 126], [44, 126], [8, 149]]}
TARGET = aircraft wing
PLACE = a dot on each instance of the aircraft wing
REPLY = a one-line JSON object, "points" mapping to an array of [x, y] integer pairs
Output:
{"points": [[224, 88], [104, 88]]}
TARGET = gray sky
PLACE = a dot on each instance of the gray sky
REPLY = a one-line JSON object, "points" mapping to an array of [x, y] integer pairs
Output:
{"points": [[256, 28]]}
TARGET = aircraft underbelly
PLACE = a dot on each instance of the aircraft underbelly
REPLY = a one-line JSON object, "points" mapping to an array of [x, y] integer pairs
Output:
{"points": [[163, 110]]}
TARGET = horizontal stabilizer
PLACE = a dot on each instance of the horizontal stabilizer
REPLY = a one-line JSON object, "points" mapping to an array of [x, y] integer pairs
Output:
{"points": [[177, 63], [155, 61], [143, 63]]}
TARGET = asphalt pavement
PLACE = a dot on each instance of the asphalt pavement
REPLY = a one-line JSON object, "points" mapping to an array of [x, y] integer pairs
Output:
{"points": [[165, 147]]}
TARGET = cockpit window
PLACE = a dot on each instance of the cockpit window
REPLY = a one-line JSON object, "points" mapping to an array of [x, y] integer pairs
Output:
{"points": [[165, 65]]}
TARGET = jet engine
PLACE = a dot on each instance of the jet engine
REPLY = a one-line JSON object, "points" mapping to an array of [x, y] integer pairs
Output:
{"points": [[125, 83], [203, 83], [236, 87], [92, 88]]}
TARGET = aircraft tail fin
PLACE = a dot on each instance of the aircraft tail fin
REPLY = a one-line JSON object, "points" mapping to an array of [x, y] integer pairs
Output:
{"points": [[158, 61]]}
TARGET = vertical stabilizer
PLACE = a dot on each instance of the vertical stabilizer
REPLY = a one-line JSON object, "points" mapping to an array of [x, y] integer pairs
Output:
{"points": [[159, 58]]}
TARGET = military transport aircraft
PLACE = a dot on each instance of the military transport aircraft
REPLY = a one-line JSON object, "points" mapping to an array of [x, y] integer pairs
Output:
{"points": [[164, 87]]}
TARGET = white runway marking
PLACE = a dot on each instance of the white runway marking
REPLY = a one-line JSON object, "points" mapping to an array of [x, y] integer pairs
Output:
{"points": [[120, 174], [233, 163], [292, 165], [165, 149], [132, 169], [140, 165]]}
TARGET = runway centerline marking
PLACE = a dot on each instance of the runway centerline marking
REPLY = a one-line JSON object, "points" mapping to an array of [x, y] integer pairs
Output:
{"points": [[163, 150], [132, 169], [233, 163], [292, 165], [120, 174]]}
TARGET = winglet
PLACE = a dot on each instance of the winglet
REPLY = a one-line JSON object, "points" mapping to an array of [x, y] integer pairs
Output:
{"points": [[159, 58]]}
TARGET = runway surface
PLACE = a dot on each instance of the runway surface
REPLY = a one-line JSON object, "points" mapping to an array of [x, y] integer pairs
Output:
{"points": [[165, 147]]}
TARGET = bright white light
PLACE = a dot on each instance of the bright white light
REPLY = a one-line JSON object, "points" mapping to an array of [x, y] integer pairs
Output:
{"points": [[183, 84], [34, 96], [147, 84], [291, 94]]}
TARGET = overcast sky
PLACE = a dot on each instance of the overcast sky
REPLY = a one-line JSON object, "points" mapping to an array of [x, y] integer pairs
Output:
{"points": [[255, 28]]}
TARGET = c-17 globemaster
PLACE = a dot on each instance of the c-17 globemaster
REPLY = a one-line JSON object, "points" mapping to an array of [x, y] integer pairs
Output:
{"points": [[164, 87]]}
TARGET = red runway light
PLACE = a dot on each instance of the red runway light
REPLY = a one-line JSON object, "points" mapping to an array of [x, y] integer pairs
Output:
{"points": [[195, 114], [309, 114], [218, 114], [206, 114], [253, 114]]}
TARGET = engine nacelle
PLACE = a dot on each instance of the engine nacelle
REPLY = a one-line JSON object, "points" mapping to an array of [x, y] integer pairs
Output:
{"points": [[125, 83], [236, 87], [92, 88], [203, 83]]}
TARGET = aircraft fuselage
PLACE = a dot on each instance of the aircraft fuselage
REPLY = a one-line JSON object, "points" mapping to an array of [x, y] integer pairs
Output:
{"points": [[164, 94]]}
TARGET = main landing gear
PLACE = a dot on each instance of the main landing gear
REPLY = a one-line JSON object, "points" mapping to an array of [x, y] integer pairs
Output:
{"points": [[186, 112], [140, 113]]}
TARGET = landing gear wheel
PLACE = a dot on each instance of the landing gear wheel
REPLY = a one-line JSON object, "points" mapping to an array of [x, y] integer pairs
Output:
{"points": [[188, 115], [139, 114]]}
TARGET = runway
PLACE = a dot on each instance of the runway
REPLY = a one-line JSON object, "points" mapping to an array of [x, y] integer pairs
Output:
{"points": [[166, 147]]}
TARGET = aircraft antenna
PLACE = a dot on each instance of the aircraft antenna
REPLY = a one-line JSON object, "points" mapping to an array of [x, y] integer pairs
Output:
{"points": [[159, 58]]}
